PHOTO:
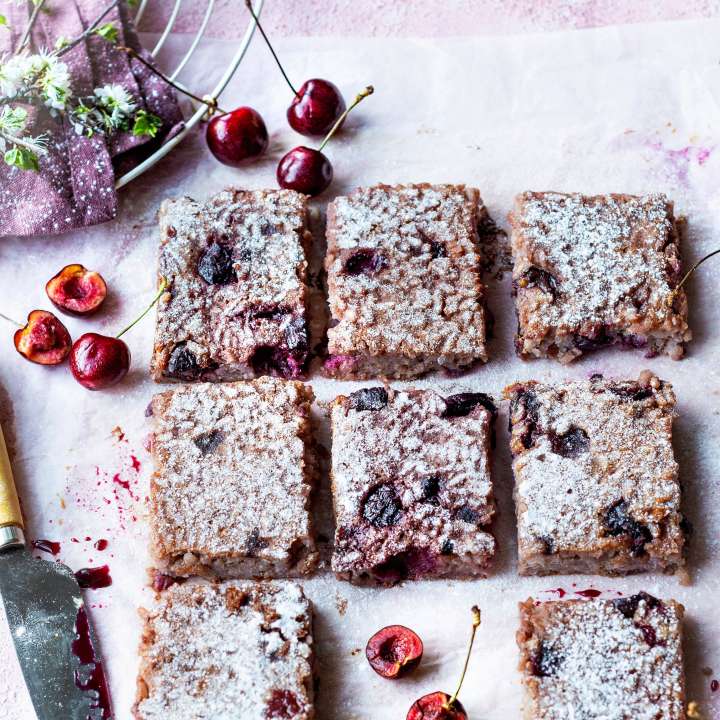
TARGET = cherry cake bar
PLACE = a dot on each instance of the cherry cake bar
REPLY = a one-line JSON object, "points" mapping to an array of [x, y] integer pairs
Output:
{"points": [[234, 471], [411, 485], [615, 659], [596, 481], [236, 304], [227, 651], [591, 271], [403, 268]]}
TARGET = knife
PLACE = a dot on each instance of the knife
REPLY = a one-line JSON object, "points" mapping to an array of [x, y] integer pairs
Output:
{"points": [[50, 628]]}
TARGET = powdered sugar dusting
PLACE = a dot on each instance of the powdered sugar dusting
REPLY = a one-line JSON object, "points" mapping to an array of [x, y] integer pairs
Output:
{"points": [[595, 662], [425, 296], [225, 652], [232, 480]]}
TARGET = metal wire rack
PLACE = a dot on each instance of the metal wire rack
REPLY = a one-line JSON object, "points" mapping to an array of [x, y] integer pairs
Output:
{"points": [[201, 110]]}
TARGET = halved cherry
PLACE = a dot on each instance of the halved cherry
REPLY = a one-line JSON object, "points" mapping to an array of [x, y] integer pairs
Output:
{"points": [[439, 705], [44, 340], [77, 290], [394, 651]]}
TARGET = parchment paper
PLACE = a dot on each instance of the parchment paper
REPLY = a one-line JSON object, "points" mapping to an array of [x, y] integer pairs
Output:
{"points": [[633, 109]]}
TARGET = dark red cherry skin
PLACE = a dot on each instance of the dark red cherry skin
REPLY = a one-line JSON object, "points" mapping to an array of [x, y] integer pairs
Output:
{"points": [[77, 290], [434, 707], [394, 651], [98, 361], [315, 108], [237, 136], [306, 170], [44, 340]]}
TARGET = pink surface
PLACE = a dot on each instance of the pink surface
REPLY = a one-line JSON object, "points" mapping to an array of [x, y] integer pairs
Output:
{"points": [[426, 17]]}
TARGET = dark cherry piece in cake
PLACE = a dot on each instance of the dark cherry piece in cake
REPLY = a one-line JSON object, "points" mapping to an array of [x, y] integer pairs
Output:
{"points": [[236, 305], [592, 271], [411, 485], [581, 658], [596, 481]]}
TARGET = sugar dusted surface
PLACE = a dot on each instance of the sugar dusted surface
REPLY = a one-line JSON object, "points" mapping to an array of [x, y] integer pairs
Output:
{"points": [[264, 231], [605, 669], [417, 305], [613, 258], [562, 500], [578, 121], [401, 445], [245, 497], [220, 651]]}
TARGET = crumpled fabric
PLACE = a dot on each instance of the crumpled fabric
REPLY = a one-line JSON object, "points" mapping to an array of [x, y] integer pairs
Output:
{"points": [[75, 186]]}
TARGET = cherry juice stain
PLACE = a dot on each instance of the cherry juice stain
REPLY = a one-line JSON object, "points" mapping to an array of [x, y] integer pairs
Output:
{"points": [[100, 544], [560, 592], [589, 593], [47, 546], [94, 578], [90, 676], [714, 685]]}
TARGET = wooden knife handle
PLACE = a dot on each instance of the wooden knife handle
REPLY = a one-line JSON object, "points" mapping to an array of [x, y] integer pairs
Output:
{"points": [[9, 504]]}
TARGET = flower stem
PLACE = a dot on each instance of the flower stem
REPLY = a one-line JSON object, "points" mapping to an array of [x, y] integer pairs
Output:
{"points": [[161, 290], [249, 6], [211, 102], [89, 30], [369, 90], [475, 626], [31, 23], [11, 321]]}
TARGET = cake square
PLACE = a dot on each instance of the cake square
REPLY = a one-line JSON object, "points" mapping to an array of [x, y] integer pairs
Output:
{"points": [[591, 271], [231, 650], [602, 659], [411, 485], [236, 304], [403, 268], [234, 471], [596, 482]]}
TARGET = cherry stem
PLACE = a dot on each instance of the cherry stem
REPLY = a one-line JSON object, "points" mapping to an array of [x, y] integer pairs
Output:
{"points": [[694, 268], [161, 290], [475, 626], [208, 100], [248, 4], [10, 320], [369, 90]]}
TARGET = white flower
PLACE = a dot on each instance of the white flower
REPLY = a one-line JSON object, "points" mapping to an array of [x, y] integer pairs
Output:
{"points": [[21, 73], [54, 79], [13, 72], [13, 119], [117, 101]]}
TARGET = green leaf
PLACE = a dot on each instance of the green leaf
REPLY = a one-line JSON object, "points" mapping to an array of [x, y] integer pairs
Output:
{"points": [[12, 119], [108, 31], [133, 3], [3, 20], [146, 123], [62, 42], [22, 158]]}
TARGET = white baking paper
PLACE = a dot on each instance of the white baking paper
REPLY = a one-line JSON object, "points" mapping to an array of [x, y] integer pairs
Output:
{"points": [[631, 109]]}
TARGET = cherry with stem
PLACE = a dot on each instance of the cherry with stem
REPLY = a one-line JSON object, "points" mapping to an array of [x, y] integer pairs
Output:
{"points": [[316, 105], [678, 287], [100, 361], [307, 170], [439, 705]]}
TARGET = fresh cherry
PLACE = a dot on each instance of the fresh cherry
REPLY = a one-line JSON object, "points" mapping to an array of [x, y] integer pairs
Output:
{"points": [[316, 106], [394, 651], [436, 706], [100, 361], [77, 290], [44, 339], [237, 136], [309, 171], [306, 170], [439, 705]]}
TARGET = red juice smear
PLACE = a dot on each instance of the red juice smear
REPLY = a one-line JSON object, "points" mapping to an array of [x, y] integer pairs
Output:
{"points": [[122, 483], [589, 593], [48, 546], [90, 676], [560, 592], [101, 544], [714, 685], [135, 463], [94, 578]]}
